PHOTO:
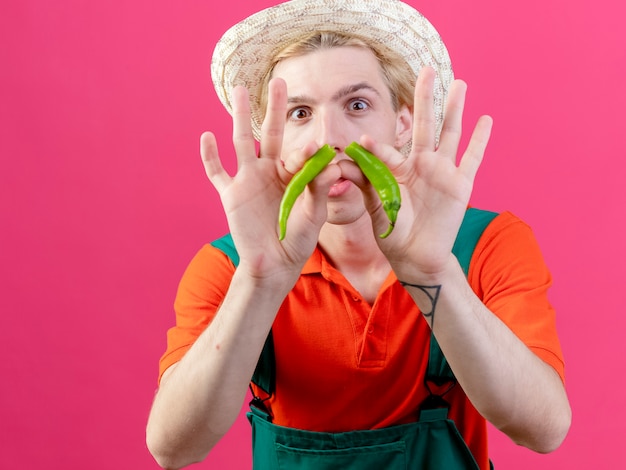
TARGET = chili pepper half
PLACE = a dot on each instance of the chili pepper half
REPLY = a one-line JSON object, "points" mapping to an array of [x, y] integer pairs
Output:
{"points": [[381, 178], [311, 168]]}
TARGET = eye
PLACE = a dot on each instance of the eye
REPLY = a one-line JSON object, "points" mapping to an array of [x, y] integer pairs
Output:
{"points": [[358, 105], [298, 114]]}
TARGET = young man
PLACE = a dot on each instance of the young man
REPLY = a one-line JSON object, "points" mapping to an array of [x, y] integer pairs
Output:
{"points": [[352, 375]]}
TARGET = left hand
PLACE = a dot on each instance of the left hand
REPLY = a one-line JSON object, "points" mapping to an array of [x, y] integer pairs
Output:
{"points": [[435, 190]]}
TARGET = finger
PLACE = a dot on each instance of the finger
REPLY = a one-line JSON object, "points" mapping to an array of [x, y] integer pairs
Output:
{"points": [[453, 121], [314, 203], [243, 138], [473, 156], [388, 154], [373, 204], [424, 122], [211, 161], [273, 125], [321, 184], [296, 160]]}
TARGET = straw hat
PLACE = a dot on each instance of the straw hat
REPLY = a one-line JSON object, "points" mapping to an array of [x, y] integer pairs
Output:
{"points": [[243, 55]]}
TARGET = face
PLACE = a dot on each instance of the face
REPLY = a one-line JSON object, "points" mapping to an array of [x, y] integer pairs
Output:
{"points": [[334, 97]]}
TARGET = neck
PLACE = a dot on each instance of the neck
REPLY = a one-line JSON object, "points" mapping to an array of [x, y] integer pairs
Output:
{"points": [[354, 252]]}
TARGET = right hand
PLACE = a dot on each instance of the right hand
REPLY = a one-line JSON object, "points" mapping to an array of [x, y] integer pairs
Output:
{"points": [[251, 197]]}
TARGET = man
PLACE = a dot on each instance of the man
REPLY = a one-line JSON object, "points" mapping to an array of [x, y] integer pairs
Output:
{"points": [[352, 374]]}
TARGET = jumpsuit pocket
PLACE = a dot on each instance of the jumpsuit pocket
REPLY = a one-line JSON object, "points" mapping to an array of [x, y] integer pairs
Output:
{"points": [[372, 457], [433, 443]]}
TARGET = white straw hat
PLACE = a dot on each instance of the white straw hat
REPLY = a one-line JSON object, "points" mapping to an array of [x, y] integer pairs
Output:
{"points": [[243, 55]]}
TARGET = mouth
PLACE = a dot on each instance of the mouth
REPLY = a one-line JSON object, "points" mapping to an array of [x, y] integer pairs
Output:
{"points": [[340, 187]]}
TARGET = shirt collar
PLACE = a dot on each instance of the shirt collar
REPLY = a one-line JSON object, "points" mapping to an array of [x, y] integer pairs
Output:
{"points": [[318, 263], [315, 263]]}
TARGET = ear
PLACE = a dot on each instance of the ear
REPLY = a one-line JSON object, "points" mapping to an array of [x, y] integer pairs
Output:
{"points": [[404, 126]]}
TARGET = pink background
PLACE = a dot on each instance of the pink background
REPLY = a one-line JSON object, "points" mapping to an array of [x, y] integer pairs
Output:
{"points": [[103, 201]]}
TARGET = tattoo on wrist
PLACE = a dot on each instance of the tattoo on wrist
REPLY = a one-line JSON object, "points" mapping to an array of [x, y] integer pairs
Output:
{"points": [[432, 292]]}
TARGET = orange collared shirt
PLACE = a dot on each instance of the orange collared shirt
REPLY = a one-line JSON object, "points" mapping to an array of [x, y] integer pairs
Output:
{"points": [[342, 364]]}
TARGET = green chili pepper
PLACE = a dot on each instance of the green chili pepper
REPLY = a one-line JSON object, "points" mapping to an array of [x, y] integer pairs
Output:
{"points": [[311, 168], [381, 178]]}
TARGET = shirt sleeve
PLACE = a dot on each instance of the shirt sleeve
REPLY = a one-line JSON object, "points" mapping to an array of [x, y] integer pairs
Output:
{"points": [[199, 295], [509, 274]]}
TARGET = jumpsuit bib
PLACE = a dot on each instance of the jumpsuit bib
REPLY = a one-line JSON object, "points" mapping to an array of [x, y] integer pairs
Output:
{"points": [[432, 442]]}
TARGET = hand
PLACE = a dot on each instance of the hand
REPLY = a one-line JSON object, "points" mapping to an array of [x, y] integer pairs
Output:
{"points": [[435, 190], [251, 198]]}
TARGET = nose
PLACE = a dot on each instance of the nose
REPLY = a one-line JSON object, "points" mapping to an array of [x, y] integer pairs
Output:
{"points": [[330, 130]]}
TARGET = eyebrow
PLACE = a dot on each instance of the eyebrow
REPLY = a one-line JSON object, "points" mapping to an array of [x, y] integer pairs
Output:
{"points": [[349, 89], [341, 93]]}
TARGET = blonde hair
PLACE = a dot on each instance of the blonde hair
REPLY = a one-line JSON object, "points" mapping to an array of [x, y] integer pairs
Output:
{"points": [[399, 77]]}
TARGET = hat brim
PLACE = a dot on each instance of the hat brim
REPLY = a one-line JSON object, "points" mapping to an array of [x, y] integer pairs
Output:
{"points": [[244, 53]]}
